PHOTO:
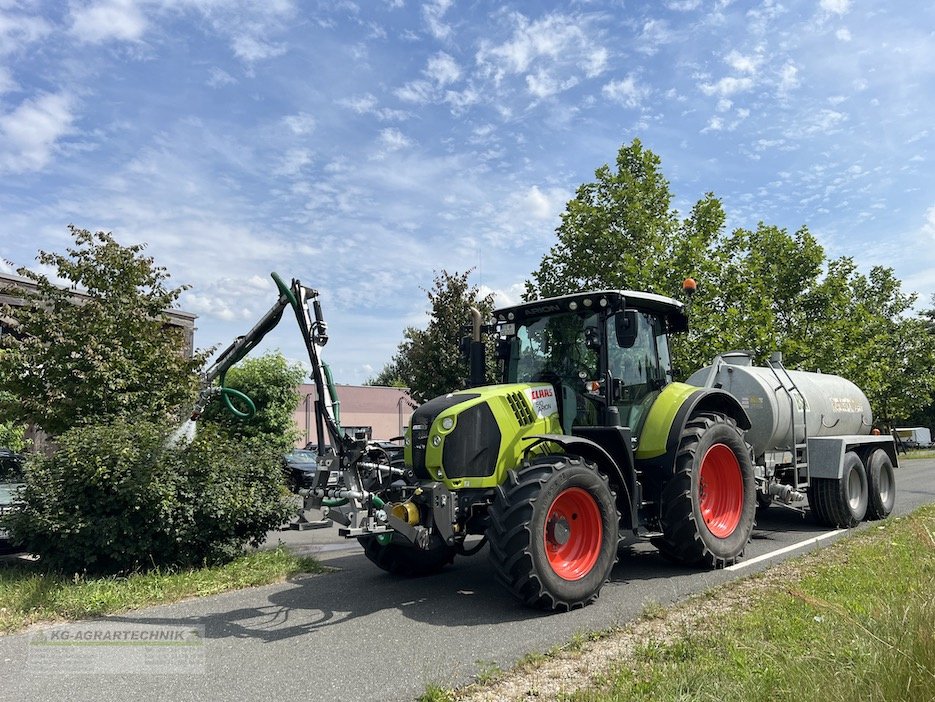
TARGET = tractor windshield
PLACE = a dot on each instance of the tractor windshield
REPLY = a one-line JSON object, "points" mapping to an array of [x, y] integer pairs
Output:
{"points": [[562, 347]]}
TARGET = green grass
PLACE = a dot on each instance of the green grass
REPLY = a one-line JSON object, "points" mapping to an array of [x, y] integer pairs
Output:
{"points": [[28, 594], [855, 621], [917, 453]]}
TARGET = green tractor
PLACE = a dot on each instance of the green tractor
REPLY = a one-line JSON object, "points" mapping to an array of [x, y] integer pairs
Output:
{"points": [[585, 435]]}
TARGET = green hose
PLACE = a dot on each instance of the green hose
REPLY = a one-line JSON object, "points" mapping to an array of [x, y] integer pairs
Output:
{"points": [[340, 502], [335, 402], [382, 539], [227, 393]]}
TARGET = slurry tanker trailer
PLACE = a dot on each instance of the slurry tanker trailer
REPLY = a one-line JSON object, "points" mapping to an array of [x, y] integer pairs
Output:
{"points": [[810, 435], [585, 435]]}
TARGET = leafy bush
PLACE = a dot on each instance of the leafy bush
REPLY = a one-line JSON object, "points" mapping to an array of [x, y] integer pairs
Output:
{"points": [[114, 498], [270, 381]]}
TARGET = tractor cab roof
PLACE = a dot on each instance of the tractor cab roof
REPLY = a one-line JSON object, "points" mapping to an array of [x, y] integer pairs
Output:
{"points": [[612, 300]]}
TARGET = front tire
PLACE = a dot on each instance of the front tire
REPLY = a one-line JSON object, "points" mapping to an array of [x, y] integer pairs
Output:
{"points": [[709, 505], [407, 559], [553, 533]]}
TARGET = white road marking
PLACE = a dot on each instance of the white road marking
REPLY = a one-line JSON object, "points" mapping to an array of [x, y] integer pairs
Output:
{"points": [[786, 549]]}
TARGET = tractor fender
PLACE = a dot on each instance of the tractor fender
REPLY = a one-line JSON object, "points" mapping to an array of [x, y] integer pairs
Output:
{"points": [[676, 404], [597, 454]]}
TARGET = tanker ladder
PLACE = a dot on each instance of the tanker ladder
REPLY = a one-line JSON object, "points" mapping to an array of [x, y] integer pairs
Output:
{"points": [[783, 493]]}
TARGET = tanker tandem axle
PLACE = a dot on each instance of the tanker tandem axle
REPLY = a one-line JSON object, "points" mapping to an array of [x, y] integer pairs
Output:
{"points": [[810, 436]]}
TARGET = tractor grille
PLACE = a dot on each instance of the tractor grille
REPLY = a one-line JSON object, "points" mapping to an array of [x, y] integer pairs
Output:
{"points": [[520, 408], [421, 424], [472, 448]]}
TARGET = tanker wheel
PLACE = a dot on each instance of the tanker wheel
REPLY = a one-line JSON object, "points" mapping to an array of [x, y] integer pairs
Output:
{"points": [[708, 507], [841, 502], [881, 485], [406, 559], [553, 533]]}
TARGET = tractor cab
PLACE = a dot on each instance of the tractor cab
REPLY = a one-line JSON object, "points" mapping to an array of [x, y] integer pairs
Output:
{"points": [[606, 353]]}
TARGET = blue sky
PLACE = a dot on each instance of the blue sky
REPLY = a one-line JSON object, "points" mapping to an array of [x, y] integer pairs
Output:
{"points": [[360, 145]]}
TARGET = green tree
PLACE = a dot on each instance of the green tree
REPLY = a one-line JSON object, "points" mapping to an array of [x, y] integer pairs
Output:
{"points": [[108, 353], [390, 376], [760, 290], [869, 334], [271, 382], [614, 226], [429, 361]]}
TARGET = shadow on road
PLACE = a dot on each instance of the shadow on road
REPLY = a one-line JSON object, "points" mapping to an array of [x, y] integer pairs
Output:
{"points": [[463, 595]]}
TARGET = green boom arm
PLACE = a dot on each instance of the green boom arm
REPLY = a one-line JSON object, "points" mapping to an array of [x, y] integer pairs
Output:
{"points": [[315, 335]]}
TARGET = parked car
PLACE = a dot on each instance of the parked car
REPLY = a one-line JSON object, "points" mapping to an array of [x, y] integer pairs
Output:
{"points": [[299, 467], [11, 479]]}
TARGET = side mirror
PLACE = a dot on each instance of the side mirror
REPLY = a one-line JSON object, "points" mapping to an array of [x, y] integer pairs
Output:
{"points": [[625, 328]]}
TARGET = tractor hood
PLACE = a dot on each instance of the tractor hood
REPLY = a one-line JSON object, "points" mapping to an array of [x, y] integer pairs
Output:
{"points": [[469, 439]]}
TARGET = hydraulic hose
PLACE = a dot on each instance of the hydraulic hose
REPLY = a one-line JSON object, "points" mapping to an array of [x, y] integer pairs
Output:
{"points": [[227, 393]]}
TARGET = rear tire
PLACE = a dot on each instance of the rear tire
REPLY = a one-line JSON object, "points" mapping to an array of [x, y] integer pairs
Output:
{"points": [[708, 507], [405, 559], [881, 484], [553, 533], [841, 502]]}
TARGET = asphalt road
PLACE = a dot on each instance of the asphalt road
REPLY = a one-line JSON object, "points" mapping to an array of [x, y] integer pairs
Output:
{"points": [[360, 634]]}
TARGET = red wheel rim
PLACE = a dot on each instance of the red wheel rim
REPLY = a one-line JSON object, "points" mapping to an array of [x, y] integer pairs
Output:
{"points": [[573, 533], [720, 486]]}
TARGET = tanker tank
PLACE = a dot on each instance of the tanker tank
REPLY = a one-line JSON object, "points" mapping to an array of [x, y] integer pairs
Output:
{"points": [[833, 406]]}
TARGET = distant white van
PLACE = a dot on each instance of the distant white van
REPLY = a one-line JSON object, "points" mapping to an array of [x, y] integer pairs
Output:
{"points": [[915, 437]]}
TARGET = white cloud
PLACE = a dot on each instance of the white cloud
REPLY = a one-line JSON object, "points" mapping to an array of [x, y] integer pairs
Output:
{"points": [[18, 31], [543, 84], [361, 104], [743, 63], [683, 5], [549, 52], [836, 7], [433, 14], [928, 227], [252, 48], [293, 162], [843, 34], [460, 99], [821, 122], [120, 20], [417, 91], [442, 69], [300, 124], [7, 82], [596, 62], [788, 77], [392, 139], [654, 34], [29, 134], [727, 86], [627, 91], [218, 78], [543, 205]]}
